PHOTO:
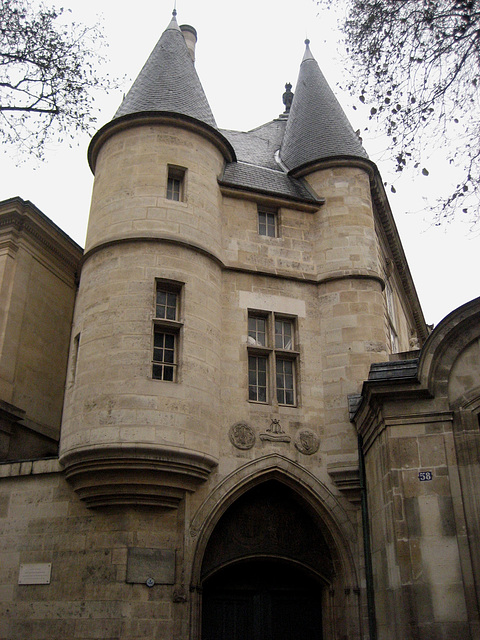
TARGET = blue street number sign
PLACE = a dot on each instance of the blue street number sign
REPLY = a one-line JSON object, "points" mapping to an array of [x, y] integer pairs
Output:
{"points": [[424, 476]]}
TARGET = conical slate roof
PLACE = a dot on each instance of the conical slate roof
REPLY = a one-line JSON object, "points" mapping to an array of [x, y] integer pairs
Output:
{"points": [[317, 127], [168, 82]]}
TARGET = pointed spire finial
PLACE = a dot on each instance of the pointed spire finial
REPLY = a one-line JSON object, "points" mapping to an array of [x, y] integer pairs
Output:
{"points": [[173, 22], [308, 54]]}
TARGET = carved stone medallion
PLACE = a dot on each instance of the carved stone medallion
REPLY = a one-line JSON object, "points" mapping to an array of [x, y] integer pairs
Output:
{"points": [[242, 436], [307, 442]]}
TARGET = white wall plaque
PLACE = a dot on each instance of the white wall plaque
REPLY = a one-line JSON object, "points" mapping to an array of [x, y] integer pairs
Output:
{"points": [[35, 573]]}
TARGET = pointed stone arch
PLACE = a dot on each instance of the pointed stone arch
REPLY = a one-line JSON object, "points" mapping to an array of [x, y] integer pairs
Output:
{"points": [[342, 599]]}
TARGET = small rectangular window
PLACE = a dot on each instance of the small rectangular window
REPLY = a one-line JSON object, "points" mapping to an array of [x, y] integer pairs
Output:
{"points": [[164, 349], [267, 223], [176, 184], [166, 331]]}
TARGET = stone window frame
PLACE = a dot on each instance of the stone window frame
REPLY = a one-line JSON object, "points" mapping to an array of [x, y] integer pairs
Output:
{"points": [[272, 358], [167, 325], [176, 183], [268, 222]]}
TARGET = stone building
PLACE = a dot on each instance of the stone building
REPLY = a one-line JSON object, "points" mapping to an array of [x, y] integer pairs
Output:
{"points": [[259, 437]]}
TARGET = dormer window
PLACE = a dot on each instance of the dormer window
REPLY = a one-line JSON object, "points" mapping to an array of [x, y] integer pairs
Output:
{"points": [[176, 183]]}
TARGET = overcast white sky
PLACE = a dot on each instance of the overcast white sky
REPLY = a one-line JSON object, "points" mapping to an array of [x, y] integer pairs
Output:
{"points": [[246, 51]]}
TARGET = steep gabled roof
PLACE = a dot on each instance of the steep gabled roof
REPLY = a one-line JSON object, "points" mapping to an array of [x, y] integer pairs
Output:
{"points": [[168, 82], [317, 127]]}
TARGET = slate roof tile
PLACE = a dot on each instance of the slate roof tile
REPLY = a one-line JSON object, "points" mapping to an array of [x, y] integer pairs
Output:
{"points": [[265, 180], [168, 82], [317, 127]]}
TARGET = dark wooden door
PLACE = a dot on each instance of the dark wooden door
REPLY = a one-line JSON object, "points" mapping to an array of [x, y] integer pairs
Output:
{"points": [[261, 601]]}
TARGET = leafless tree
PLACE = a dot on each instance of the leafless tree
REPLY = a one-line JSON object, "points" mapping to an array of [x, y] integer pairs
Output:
{"points": [[48, 70], [418, 69]]}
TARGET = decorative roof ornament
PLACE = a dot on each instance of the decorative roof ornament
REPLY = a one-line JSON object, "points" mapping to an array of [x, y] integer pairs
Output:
{"points": [[173, 22], [308, 55], [287, 98]]}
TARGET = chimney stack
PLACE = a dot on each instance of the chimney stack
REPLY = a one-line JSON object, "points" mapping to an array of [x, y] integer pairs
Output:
{"points": [[190, 35]]}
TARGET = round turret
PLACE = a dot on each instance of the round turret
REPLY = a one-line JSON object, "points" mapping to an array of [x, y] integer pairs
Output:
{"points": [[139, 418]]}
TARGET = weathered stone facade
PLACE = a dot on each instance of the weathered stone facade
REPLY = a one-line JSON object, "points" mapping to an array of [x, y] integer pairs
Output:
{"points": [[220, 373]]}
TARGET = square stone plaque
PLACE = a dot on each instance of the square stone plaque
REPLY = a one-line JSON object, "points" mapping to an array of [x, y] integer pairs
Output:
{"points": [[155, 564]]}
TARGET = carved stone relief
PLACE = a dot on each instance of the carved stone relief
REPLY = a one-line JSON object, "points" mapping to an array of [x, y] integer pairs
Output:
{"points": [[242, 436], [275, 432], [307, 442]]}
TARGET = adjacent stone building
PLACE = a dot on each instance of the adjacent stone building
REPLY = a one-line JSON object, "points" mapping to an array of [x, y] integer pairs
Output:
{"points": [[260, 438]]}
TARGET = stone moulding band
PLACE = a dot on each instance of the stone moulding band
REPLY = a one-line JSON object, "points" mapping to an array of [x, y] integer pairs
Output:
{"points": [[149, 475], [346, 274]]}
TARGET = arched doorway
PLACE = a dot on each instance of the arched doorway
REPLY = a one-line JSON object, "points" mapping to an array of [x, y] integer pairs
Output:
{"points": [[266, 569]]}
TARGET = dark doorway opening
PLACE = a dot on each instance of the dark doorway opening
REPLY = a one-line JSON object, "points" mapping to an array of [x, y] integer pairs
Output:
{"points": [[262, 600], [265, 568]]}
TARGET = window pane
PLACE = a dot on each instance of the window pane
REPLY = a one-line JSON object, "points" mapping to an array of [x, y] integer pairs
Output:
{"points": [[169, 341], [271, 225], [168, 373], [267, 224], [166, 306], [157, 372], [257, 331], [163, 356], [173, 189], [283, 334], [169, 356], [257, 378], [285, 383]]}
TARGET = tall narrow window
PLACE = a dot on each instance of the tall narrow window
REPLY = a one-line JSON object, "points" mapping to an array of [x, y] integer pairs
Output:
{"points": [[74, 360], [176, 184], [166, 329], [391, 318], [267, 223], [271, 359]]}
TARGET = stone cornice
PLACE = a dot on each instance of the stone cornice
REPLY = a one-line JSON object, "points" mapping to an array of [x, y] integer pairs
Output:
{"points": [[20, 218], [147, 118], [268, 199], [369, 418], [386, 219]]}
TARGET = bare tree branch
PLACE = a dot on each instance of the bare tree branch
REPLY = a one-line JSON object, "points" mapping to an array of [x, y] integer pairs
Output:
{"points": [[48, 73], [418, 68]]}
